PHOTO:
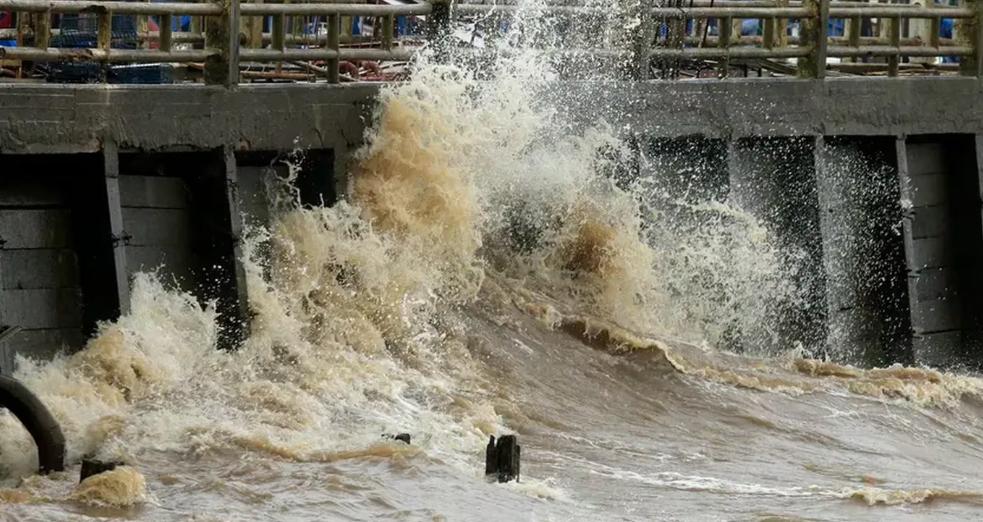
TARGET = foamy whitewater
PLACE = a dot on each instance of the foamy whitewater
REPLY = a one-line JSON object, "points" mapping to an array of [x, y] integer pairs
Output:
{"points": [[491, 272]]}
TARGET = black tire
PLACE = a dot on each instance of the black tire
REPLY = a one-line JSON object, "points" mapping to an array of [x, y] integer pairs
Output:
{"points": [[39, 423]]}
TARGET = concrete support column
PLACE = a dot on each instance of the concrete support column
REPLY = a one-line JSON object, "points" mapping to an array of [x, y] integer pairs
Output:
{"points": [[217, 234], [119, 237], [97, 225], [863, 251], [774, 180]]}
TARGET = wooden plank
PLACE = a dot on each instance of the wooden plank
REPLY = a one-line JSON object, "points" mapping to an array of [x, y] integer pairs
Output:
{"points": [[47, 342], [932, 252], [935, 283], [930, 221], [20, 191], [929, 190], [176, 262], [936, 349], [157, 226], [936, 316], [153, 192], [253, 201], [39, 268], [926, 158], [43, 308], [41, 345], [35, 228]]}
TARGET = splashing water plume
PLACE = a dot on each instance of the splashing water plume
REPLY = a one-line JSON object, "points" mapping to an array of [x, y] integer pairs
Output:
{"points": [[491, 271]]}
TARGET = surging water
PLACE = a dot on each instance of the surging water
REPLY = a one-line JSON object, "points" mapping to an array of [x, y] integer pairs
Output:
{"points": [[490, 274]]}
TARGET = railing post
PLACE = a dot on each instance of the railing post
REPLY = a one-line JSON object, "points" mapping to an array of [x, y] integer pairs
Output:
{"points": [[143, 28], [642, 45], [853, 34], [725, 28], [222, 34], [334, 43], [894, 36], [388, 28], [104, 39], [278, 28], [105, 36], [768, 35], [970, 33], [164, 41], [814, 29], [196, 25], [42, 30], [252, 26], [782, 28], [438, 24]]}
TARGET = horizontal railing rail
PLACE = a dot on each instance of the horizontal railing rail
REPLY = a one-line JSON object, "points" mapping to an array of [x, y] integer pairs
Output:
{"points": [[222, 35], [226, 35]]}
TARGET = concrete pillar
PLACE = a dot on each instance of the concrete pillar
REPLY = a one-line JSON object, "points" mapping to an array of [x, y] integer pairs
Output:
{"points": [[220, 272], [773, 179], [99, 237], [863, 250], [689, 169]]}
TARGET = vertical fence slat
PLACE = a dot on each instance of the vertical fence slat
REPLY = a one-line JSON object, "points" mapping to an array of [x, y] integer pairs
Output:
{"points": [[770, 25], [641, 42], [725, 26], [977, 36], [143, 27], [388, 28], [814, 33], [166, 21], [279, 30], [894, 34], [254, 29], [222, 34], [782, 28], [856, 24], [334, 42], [969, 32], [105, 37], [42, 30]]}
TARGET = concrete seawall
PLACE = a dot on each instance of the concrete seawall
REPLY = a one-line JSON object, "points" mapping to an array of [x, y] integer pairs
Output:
{"points": [[98, 182]]}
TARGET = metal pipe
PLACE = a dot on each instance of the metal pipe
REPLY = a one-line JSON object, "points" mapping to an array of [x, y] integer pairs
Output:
{"points": [[136, 8], [272, 55], [902, 50], [334, 37], [731, 12], [330, 9], [730, 52], [894, 11], [117, 55], [165, 33], [833, 40], [190, 37]]}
